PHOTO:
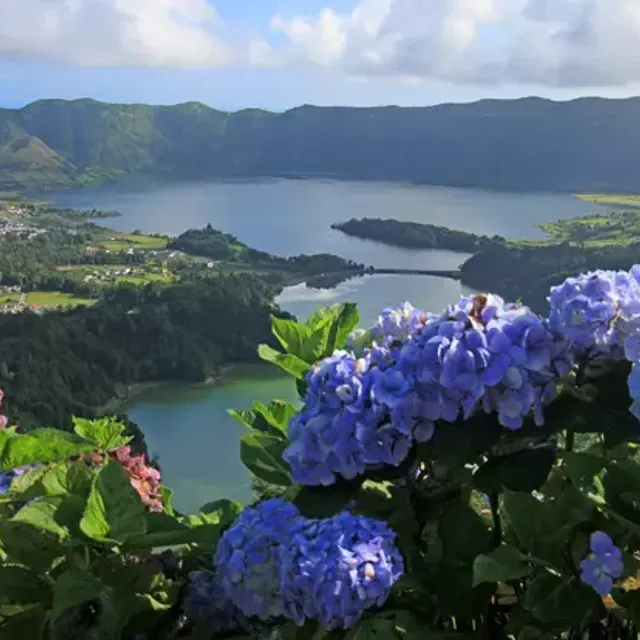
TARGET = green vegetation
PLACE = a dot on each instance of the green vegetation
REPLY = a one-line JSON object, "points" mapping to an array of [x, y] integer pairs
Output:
{"points": [[576, 146], [617, 227], [481, 532], [122, 241], [615, 199], [57, 299], [415, 235], [226, 248], [71, 363]]}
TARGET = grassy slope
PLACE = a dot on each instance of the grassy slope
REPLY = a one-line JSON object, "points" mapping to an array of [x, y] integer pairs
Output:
{"points": [[600, 229]]}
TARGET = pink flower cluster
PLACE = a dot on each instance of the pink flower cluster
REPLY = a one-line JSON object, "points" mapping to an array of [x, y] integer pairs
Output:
{"points": [[3, 418], [144, 478]]}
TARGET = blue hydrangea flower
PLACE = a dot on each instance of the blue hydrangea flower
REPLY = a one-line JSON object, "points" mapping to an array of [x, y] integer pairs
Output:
{"points": [[599, 312], [249, 558], [484, 353], [6, 478], [346, 427], [398, 324], [208, 603], [339, 567], [604, 564]]}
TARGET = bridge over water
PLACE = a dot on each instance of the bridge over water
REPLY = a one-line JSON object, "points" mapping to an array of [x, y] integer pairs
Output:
{"points": [[332, 279], [440, 273]]}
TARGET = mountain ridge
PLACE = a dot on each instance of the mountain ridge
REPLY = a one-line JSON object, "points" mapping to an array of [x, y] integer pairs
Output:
{"points": [[529, 143]]}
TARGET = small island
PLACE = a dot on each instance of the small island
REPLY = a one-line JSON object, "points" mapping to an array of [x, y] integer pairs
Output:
{"points": [[416, 235]]}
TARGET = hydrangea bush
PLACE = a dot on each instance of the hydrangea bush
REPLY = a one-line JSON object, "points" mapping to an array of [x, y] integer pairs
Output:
{"points": [[470, 473]]}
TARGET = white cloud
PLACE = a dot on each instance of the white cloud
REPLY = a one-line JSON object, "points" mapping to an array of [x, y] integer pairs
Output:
{"points": [[113, 32], [544, 42]]}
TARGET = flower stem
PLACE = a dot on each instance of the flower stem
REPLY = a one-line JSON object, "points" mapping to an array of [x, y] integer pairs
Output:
{"points": [[495, 516]]}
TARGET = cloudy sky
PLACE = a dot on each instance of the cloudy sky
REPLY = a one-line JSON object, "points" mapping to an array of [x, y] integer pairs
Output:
{"points": [[281, 53]]}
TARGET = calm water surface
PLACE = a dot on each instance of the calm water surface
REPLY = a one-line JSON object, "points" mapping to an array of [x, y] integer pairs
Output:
{"points": [[188, 428]]}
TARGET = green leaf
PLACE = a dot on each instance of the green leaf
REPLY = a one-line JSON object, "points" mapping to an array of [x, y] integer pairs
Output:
{"points": [[262, 455], [74, 587], [584, 471], [291, 364], [291, 335], [19, 586], [114, 511], [277, 413], [27, 625], [321, 316], [31, 547], [59, 515], [555, 599], [341, 319], [167, 500], [543, 528], [373, 628], [464, 533], [462, 441], [273, 419], [501, 565], [202, 528], [346, 318], [324, 502], [107, 434], [58, 480], [41, 446], [524, 471], [225, 510]]}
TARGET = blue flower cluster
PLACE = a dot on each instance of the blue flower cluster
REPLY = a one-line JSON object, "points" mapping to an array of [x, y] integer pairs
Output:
{"points": [[339, 567], [6, 478], [599, 312], [416, 369], [274, 562], [249, 558], [604, 564], [207, 603]]}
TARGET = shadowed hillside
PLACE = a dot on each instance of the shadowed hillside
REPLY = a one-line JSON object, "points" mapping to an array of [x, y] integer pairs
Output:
{"points": [[585, 144]]}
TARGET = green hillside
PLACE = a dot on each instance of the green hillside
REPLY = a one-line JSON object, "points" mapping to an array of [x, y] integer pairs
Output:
{"points": [[590, 144]]}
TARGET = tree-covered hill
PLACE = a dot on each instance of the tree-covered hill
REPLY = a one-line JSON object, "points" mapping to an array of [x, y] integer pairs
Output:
{"points": [[532, 143]]}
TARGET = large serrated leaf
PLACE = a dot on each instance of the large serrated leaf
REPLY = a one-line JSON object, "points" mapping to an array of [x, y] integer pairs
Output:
{"points": [[262, 455], [293, 365], [114, 510]]}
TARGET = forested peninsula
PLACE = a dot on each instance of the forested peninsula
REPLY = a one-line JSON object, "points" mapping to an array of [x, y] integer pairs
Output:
{"points": [[415, 235]]}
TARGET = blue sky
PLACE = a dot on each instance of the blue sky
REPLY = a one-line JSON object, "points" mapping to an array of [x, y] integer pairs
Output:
{"points": [[280, 53]]}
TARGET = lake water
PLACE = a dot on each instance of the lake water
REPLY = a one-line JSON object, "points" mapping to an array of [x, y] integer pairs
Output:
{"points": [[189, 429]]}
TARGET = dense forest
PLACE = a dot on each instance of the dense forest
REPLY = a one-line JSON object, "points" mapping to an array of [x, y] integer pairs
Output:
{"points": [[215, 244], [415, 235], [56, 365], [530, 143], [526, 273]]}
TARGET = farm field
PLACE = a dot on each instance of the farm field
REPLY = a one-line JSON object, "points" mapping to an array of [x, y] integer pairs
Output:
{"points": [[134, 274], [117, 241]]}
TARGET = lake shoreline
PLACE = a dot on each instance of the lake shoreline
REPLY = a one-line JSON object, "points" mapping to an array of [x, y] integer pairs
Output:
{"points": [[124, 398]]}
